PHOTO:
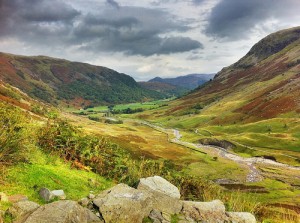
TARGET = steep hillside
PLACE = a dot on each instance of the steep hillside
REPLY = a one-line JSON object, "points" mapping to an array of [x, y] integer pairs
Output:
{"points": [[189, 82], [54, 81], [263, 84], [254, 103], [168, 90]]}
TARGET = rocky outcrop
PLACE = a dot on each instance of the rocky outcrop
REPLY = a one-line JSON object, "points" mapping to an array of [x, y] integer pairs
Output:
{"points": [[22, 209], [155, 200], [62, 212], [164, 195], [159, 185], [48, 195], [213, 211], [123, 204], [241, 217]]}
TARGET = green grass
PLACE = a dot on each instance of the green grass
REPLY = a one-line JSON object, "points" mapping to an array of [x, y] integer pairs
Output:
{"points": [[27, 179], [139, 105], [52, 173]]}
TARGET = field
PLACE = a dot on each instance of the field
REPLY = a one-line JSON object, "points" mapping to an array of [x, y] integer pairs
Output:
{"points": [[279, 186]]}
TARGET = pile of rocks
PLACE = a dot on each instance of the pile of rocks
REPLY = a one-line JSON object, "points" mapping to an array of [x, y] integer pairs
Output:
{"points": [[154, 199]]}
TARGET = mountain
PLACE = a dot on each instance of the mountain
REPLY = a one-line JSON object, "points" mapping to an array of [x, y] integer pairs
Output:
{"points": [[264, 84], [59, 81], [168, 90], [190, 81]]}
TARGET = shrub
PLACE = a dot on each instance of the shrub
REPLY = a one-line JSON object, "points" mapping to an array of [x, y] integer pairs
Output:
{"points": [[14, 131]]}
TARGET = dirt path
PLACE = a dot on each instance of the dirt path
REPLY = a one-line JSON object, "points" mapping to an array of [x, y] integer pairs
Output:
{"points": [[254, 174]]}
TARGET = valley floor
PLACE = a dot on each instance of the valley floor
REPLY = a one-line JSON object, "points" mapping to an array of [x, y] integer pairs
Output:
{"points": [[269, 182]]}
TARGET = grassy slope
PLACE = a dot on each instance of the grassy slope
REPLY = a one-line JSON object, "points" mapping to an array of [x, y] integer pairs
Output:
{"points": [[59, 81], [253, 102]]}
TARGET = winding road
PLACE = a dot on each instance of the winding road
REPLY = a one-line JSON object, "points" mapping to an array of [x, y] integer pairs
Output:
{"points": [[254, 174]]}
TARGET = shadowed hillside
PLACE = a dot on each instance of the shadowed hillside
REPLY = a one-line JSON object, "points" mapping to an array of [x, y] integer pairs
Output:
{"points": [[263, 84], [79, 84]]}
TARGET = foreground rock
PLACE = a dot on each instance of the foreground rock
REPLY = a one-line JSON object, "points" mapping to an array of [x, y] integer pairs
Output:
{"points": [[22, 209], [164, 195], [159, 185], [62, 212], [155, 200], [123, 204], [241, 217], [48, 195], [213, 211]]}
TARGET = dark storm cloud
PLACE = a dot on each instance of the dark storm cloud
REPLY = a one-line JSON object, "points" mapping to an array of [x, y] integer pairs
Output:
{"points": [[113, 3], [233, 19], [198, 2], [144, 46], [35, 20], [131, 30]]}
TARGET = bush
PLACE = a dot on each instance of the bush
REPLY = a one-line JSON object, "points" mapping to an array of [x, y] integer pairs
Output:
{"points": [[14, 131]]}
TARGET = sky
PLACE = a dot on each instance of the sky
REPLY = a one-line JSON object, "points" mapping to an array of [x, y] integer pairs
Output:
{"points": [[145, 38]]}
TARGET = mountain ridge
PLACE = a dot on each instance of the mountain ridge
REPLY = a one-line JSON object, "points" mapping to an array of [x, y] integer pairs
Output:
{"points": [[59, 81], [269, 84], [189, 81]]}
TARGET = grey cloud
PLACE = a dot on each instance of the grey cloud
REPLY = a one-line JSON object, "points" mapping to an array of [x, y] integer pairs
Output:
{"points": [[197, 2], [234, 19], [35, 19], [131, 30], [113, 3]]}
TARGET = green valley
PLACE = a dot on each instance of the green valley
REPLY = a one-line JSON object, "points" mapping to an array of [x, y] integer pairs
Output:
{"points": [[85, 128]]}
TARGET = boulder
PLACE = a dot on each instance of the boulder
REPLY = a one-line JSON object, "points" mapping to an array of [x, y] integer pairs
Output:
{"points": [[91, 196], [159, 184], [165, 196], [209, 212], [84, 202], [59, 194], [156, 216], [62, 211], [241, 217], [46, 194], [91, 217], [22, 209], [17, 197], [123, 204], [3, 197]]}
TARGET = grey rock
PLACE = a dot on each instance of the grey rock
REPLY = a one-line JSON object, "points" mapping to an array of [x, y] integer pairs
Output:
{"points": [[241, 217], [61, 211], [46, 194], [210, 212], [59, 194], [84, 202], [165, 196], [91, 217], [156, 216], [159, 184], [3, 197], [123, 204], [17, 197], [22, 209], [91, 196]]}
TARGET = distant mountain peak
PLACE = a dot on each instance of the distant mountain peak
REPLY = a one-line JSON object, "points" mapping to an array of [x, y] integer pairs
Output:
{"points": [[189, 82]]}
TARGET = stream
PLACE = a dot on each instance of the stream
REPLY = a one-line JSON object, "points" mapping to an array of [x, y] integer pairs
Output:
{"points": [[254, 174]]}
